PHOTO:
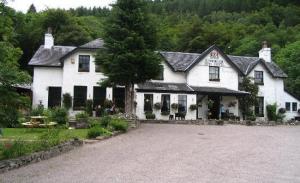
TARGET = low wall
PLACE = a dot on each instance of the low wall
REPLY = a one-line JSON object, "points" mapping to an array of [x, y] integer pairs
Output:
{"points": [[10, 164]]}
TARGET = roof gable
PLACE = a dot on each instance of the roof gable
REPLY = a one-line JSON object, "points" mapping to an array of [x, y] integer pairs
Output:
{"points": [[49, 57]]}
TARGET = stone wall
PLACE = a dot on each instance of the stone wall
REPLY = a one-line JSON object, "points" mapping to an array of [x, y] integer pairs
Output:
{"points": [[6, 165]]}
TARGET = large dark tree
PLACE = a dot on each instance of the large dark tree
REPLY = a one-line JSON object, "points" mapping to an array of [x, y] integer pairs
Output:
{"points": [[130, 41], [10, 74]]}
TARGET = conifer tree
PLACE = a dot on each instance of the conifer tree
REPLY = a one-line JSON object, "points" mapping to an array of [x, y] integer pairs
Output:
{"points": [[130, 40]]}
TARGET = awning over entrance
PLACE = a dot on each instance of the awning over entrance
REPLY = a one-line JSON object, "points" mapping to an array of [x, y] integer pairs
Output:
{"points": [[218, 91], [161, 87]]}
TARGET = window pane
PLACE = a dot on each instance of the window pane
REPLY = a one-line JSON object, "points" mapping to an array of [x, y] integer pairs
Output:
{"points": [[80, 95], [287, 106], [294, 106], [84, 63], [259, 107], [54, 97], [148, 102], [214, 73], [182, 103], [165, 100], [259, 78], [99, 96]]}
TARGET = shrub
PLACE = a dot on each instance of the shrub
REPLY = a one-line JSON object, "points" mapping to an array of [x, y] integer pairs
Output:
{"points": [[93, 122], [89, 107], [37, 111], [67, 101], [14, 149], [157, 106], [271, 112], [150, 116], [193, 107], [165, 113], [281, 110], [174, 106], [97, 131], [59, 115], [107, 104], [82, 116], [104, 121], [119, 125], [49, 139]]}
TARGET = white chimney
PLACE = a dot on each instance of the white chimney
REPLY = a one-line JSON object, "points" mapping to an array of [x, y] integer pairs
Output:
{"points": [[265, 52], [49, 40]]}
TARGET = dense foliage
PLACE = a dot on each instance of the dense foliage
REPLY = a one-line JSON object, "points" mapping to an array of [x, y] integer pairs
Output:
{"points": [[237, 27]]}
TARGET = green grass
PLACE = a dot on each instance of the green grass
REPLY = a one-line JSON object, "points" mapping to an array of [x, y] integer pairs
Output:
{"points": [[34, 133]]}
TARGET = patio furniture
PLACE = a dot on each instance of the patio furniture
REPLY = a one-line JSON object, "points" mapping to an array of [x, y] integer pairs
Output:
{"points": [[180, 116], [38, 121]]}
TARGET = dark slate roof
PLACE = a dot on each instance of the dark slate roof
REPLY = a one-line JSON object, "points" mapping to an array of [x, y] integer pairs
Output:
{"points": [[183, 87], [50, 57], [95, 44], [164, 87], [215, 90], [244, 63], [180, 61]]}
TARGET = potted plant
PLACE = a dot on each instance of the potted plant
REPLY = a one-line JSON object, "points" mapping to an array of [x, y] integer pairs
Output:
{"points": [[157, 106], [174, 106], [165, 113], [149, 115], [193, 107]]}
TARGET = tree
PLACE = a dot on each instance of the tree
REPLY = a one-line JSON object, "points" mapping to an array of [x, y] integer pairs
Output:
{"points": [[247, 102], [130, 40], [10, 74], [288, 59], [31, 9]]}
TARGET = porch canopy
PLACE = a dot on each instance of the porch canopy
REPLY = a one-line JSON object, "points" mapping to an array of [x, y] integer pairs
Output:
{"points": [[162, 87], [218, 91]]}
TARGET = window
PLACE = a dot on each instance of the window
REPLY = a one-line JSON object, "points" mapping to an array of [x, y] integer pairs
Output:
{"points": [[119, 97], [165, 100], [214, 73], [148, 102], [80, 95], [161, 75], [54, 97], [84, 63], [259, 77], [259, 107], [288, 106], [99, 96], [182, 103], [294, 106]]}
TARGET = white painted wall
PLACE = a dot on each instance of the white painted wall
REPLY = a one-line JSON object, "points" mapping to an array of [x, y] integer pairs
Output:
{"points": [[43, 78], [199, 75], [191, 99], [170, 76], [289, 98], [273, 92]]}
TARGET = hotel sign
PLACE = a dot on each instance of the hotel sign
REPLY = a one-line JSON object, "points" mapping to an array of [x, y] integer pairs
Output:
{"points": [[214, 59]]}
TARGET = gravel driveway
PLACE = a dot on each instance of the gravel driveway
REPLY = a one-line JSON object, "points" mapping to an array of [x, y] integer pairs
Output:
{"points": [[177, 153]]}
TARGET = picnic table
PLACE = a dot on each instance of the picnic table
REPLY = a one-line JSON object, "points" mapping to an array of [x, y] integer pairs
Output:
{"points": [[38, 121]]}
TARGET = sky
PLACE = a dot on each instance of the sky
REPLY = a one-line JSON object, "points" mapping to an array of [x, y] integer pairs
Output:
{"points": [[23, 5]]}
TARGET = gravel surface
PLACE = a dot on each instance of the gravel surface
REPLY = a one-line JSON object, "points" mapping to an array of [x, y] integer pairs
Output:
{"points": [[177, 153]]}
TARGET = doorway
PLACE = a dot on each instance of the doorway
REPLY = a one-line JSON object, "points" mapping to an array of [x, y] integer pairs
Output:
{"points": [[54, 97], [215, 109]]}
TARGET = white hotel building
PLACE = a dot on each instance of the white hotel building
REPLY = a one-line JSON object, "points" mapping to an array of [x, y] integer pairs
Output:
{"points": [[187, 79]]}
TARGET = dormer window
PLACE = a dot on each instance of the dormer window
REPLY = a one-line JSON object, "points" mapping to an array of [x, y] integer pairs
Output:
{"points": [[84, 63], [259, 77], [214, 73]]}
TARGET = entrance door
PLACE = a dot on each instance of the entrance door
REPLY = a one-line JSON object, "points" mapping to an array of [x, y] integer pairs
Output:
{"points": [[119, 97], [215, 110], [54, 97]]}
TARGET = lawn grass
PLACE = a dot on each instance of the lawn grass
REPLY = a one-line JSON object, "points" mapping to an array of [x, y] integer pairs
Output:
{"points": [[35, 133]]}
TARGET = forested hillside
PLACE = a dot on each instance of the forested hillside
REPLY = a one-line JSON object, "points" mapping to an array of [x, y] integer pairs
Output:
{"points": [[237, 27]]}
